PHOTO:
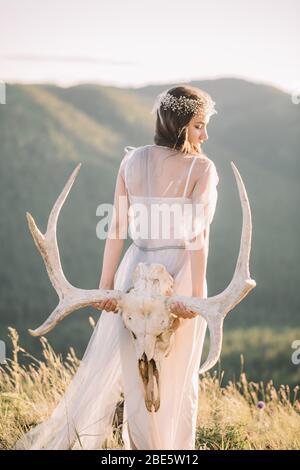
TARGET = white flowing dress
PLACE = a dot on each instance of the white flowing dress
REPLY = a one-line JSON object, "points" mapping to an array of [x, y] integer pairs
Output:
{"points": [[83, 417]]}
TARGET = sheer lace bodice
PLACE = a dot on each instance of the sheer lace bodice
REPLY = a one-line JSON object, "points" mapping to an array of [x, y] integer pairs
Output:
{"points": [[170, 195], [159, 172]]}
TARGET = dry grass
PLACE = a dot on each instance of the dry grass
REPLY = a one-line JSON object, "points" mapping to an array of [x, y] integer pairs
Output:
{"points": [[243, 415]]}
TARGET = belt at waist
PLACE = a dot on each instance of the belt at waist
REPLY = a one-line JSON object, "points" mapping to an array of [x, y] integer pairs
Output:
{"points": [[167, 247]]}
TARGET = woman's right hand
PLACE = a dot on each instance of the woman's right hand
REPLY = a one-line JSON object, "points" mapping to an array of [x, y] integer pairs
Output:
{"points": [[110, 305], [180, 310]]}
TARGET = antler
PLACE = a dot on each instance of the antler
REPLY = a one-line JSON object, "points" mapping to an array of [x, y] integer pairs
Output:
{"points": [[70, 298], [214, 309]]}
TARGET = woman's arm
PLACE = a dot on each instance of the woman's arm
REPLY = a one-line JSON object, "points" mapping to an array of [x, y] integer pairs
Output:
{"points": [[205, 193], [112, 254], [117, 233], [198, 259]]}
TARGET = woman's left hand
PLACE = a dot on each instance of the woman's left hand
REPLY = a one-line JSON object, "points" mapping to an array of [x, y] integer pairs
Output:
{"points": [[110, 305]]}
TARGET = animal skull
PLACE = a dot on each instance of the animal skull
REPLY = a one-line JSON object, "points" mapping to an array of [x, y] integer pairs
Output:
{"points": [[152, 292], [151, 323]]}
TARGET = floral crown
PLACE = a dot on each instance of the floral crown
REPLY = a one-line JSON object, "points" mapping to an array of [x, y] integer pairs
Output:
{"points": [[184, 105]]}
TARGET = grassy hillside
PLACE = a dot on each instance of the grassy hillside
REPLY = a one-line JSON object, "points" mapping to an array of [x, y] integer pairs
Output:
{"points": [[46, 130], [243, 415]]}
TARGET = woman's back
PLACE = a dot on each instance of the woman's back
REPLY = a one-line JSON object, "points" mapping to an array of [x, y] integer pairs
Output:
{"points": [[159, 172], [163, 188]]}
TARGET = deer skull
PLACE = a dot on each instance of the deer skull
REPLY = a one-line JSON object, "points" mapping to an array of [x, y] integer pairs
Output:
{"points": [[151, 324]]}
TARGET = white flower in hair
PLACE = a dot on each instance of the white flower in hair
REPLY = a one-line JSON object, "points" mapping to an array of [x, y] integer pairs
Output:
{"points": [[158, 100]]}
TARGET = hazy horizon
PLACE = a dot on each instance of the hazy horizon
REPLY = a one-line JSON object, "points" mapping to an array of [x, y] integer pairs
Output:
{"points": [[129, 44]]}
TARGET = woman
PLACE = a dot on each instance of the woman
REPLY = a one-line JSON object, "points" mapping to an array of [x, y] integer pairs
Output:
{"points": [[174, 170]]}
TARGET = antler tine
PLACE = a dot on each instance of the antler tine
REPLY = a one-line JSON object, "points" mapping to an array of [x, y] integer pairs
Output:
{"points": [[214, 309], [47, 243], [241, 283], [215, 327], [70, 298]]}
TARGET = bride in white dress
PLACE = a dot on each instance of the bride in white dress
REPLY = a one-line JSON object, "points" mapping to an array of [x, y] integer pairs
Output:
{"points": [[174, 170]]}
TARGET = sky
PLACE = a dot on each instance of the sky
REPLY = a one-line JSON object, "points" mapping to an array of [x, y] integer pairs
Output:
{"points": [[131, 43]]}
